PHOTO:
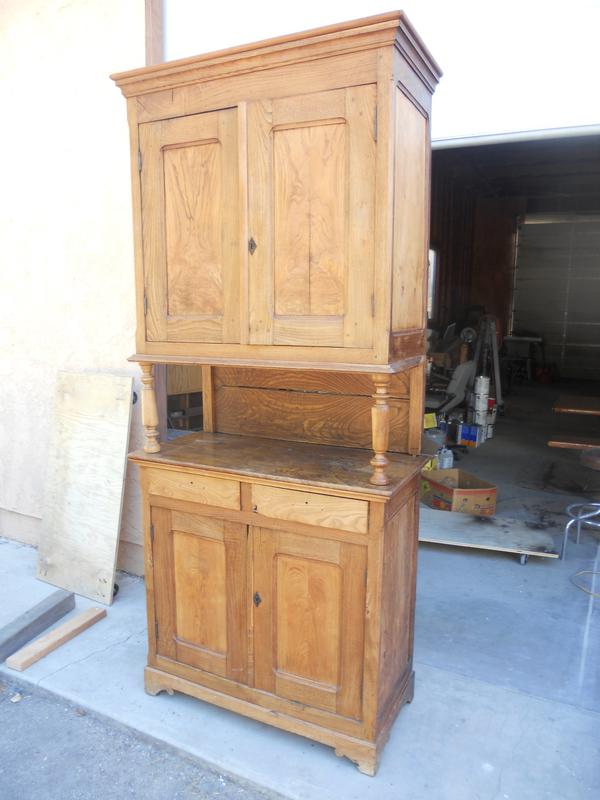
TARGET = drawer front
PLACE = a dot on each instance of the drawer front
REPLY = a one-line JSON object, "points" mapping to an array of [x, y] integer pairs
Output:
{"points": [[219, 492], [312, 509]]}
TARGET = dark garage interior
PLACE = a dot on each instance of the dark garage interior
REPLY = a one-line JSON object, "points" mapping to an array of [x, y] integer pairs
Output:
{"points": [[515, 235]]}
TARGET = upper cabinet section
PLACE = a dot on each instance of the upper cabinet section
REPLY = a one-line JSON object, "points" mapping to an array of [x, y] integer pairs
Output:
{"points": [[281, 198]]}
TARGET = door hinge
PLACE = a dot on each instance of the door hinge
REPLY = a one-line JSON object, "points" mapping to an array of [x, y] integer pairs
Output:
{"points": [[366, 573], [156, 631], [372, 305], [374, 127], [145, 304], [139, 160], [151, 534]]}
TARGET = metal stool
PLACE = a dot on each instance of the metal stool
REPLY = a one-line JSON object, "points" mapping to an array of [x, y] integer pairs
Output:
{"points": [[583, 513]]}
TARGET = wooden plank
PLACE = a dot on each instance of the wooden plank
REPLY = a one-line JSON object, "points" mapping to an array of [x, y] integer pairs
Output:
{"points": [[85, 479], [46, 644], [575, 443], [573, 404], [35, 620], [489, 533]]}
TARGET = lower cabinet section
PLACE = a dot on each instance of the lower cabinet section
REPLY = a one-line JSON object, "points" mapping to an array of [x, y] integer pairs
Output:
{"points": [[306, 621]]}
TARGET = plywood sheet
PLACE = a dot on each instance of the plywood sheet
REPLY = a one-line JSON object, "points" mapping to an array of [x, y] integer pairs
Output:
{"points": [[84, 483], [484, 533]]}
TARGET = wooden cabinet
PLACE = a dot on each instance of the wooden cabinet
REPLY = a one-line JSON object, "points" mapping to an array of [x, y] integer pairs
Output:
{"points": [[280, 205], [281, 199], [254, 606]]}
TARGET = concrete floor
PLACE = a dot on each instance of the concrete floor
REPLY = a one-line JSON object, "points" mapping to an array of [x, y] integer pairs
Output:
{"points": [[507, 659]]}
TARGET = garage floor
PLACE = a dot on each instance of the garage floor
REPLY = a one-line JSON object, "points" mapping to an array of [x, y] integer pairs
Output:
{"points": [[507, 659]]}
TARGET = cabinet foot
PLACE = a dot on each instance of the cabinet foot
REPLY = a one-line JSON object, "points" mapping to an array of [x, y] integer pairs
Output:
{"points": [[153, 684], [366, 757], [152, 689]]}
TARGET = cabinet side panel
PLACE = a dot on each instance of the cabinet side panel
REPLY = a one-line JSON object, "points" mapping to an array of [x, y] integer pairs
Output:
{"points": [[411, 214], [398, 601], [416, 408]]}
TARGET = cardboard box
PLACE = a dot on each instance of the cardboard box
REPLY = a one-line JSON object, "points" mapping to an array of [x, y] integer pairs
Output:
{"points": [[457, 490]]}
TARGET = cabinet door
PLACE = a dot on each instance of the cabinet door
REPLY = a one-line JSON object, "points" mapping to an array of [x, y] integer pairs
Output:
{"points": [[191, 239], [200, 600], [311, 189], [309, 621]]}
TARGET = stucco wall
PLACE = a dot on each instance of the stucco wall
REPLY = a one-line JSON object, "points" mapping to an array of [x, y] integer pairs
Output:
{"points": [[67, 289]]}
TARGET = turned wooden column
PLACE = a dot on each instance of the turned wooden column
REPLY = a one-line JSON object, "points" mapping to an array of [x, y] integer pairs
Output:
{"points": [[380, 420], [149, 411]]}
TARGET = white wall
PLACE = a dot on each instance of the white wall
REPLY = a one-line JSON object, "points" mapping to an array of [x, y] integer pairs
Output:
{"points": [[508, 66], [67, 285]]}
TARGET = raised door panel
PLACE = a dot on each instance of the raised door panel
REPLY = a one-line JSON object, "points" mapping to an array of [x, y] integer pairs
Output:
{"points": [[200, 602], [309, 621], [191, 209], [311, 214]]}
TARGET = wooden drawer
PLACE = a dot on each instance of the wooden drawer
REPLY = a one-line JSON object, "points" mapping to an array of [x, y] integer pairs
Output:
{"points": [[311, 509], [219, 492]]}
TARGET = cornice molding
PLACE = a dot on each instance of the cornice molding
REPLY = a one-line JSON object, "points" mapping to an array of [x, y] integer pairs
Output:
{"points": [[392, 29]]}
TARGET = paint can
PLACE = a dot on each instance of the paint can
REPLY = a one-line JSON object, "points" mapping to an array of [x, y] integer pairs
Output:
{"points": [[480, 402], [482, 385], [489, 430], [445, 458], [480, 417]]}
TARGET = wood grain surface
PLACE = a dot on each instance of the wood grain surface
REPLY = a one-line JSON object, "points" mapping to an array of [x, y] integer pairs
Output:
{"points": [[340, 470], [35, 620], [327, 419], [85, 479], [313, 509], [39, 648]]}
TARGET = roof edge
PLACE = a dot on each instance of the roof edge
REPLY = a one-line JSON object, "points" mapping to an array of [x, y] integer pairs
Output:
{"points": [[515, 136]]}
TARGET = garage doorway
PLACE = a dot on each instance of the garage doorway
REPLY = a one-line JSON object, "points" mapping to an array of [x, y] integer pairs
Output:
{"points": [[557, 290]]}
